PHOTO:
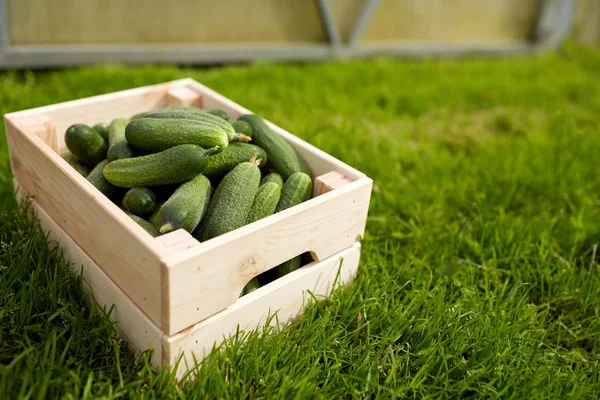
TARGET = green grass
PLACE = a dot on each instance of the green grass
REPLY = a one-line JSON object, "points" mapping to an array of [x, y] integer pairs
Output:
{"points": [[477, 278]]}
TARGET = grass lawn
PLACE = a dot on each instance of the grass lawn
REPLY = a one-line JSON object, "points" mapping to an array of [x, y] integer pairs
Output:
{"points": [[477, 278]]}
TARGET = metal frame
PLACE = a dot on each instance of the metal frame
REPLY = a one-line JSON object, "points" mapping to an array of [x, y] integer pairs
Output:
{"points": [[553, 25]]}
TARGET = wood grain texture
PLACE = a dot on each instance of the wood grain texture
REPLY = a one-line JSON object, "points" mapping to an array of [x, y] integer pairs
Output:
{"points": [[328, 182], [131, 323], [207, 278], [120, 246], [287, 296], [183, 95], [92, 110]]}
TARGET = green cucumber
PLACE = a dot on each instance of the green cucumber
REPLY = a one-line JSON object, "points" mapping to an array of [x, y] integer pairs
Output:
{"points": [[121, 150], [116, 131], [251, 286], [96, 178], [86, 144], [186, 207], [157, 134], [75, 163], [234, 154], [289, 266], [196, 115], [140, 201], [141, 114], [265, 202], [102, 129], [219, 113], [229, 206], [152, 218], [272, 177], [148, 227], [242, 127], [296, 189], [280, 153], [175, 165]]}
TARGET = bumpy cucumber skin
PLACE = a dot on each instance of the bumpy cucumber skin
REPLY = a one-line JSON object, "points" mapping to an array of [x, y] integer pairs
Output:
{"points": [[148, 227], [272, 177], [121, 150], [140, 201], [86, 144], [231, 202], [75, 163], [116, 131], [265, 202], [96, 178], [186, 207], [185, 112], [281, 154], [158, 134], [102, 129], [296, 189], [234, 154], [175, 165], [242, 127], [251, 286]]}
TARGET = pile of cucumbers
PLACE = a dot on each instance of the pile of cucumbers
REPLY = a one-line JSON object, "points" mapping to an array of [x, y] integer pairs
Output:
{"points": [[182, 167]]}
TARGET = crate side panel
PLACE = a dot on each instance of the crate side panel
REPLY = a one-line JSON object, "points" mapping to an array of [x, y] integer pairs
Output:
{"points": [[95, 109], [286, 297], [116, 243], [221, 267], [131, 323]]}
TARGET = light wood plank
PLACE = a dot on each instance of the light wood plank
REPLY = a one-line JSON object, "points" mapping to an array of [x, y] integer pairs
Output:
{"points": [[285, 296], [207, 278], [95, 109], [183, 95], [121, 247], [131, 323], [328, 182]]}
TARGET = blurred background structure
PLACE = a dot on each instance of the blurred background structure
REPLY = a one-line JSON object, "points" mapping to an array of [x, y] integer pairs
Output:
{"points": [[40, 33]]}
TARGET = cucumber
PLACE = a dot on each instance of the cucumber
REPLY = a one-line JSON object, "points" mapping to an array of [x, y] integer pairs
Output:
{"points": [[96, 178], [229, 206], [141, 114], [152, 218], [196, 115], [234, 154], [265, 202], [219, 113], [102, 129], [157, 134], [175, 165], [280, 153], [242, 127], [116, 131], [185, 207], [296, 189], [289, 266], [121, 150], [86, 144], [272, 177], [251, 286], [151, 229], [75, 163], [140, 201]]}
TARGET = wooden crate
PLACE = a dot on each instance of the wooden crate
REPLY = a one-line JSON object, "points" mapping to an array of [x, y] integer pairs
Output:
{"points": [[182, 294]]}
